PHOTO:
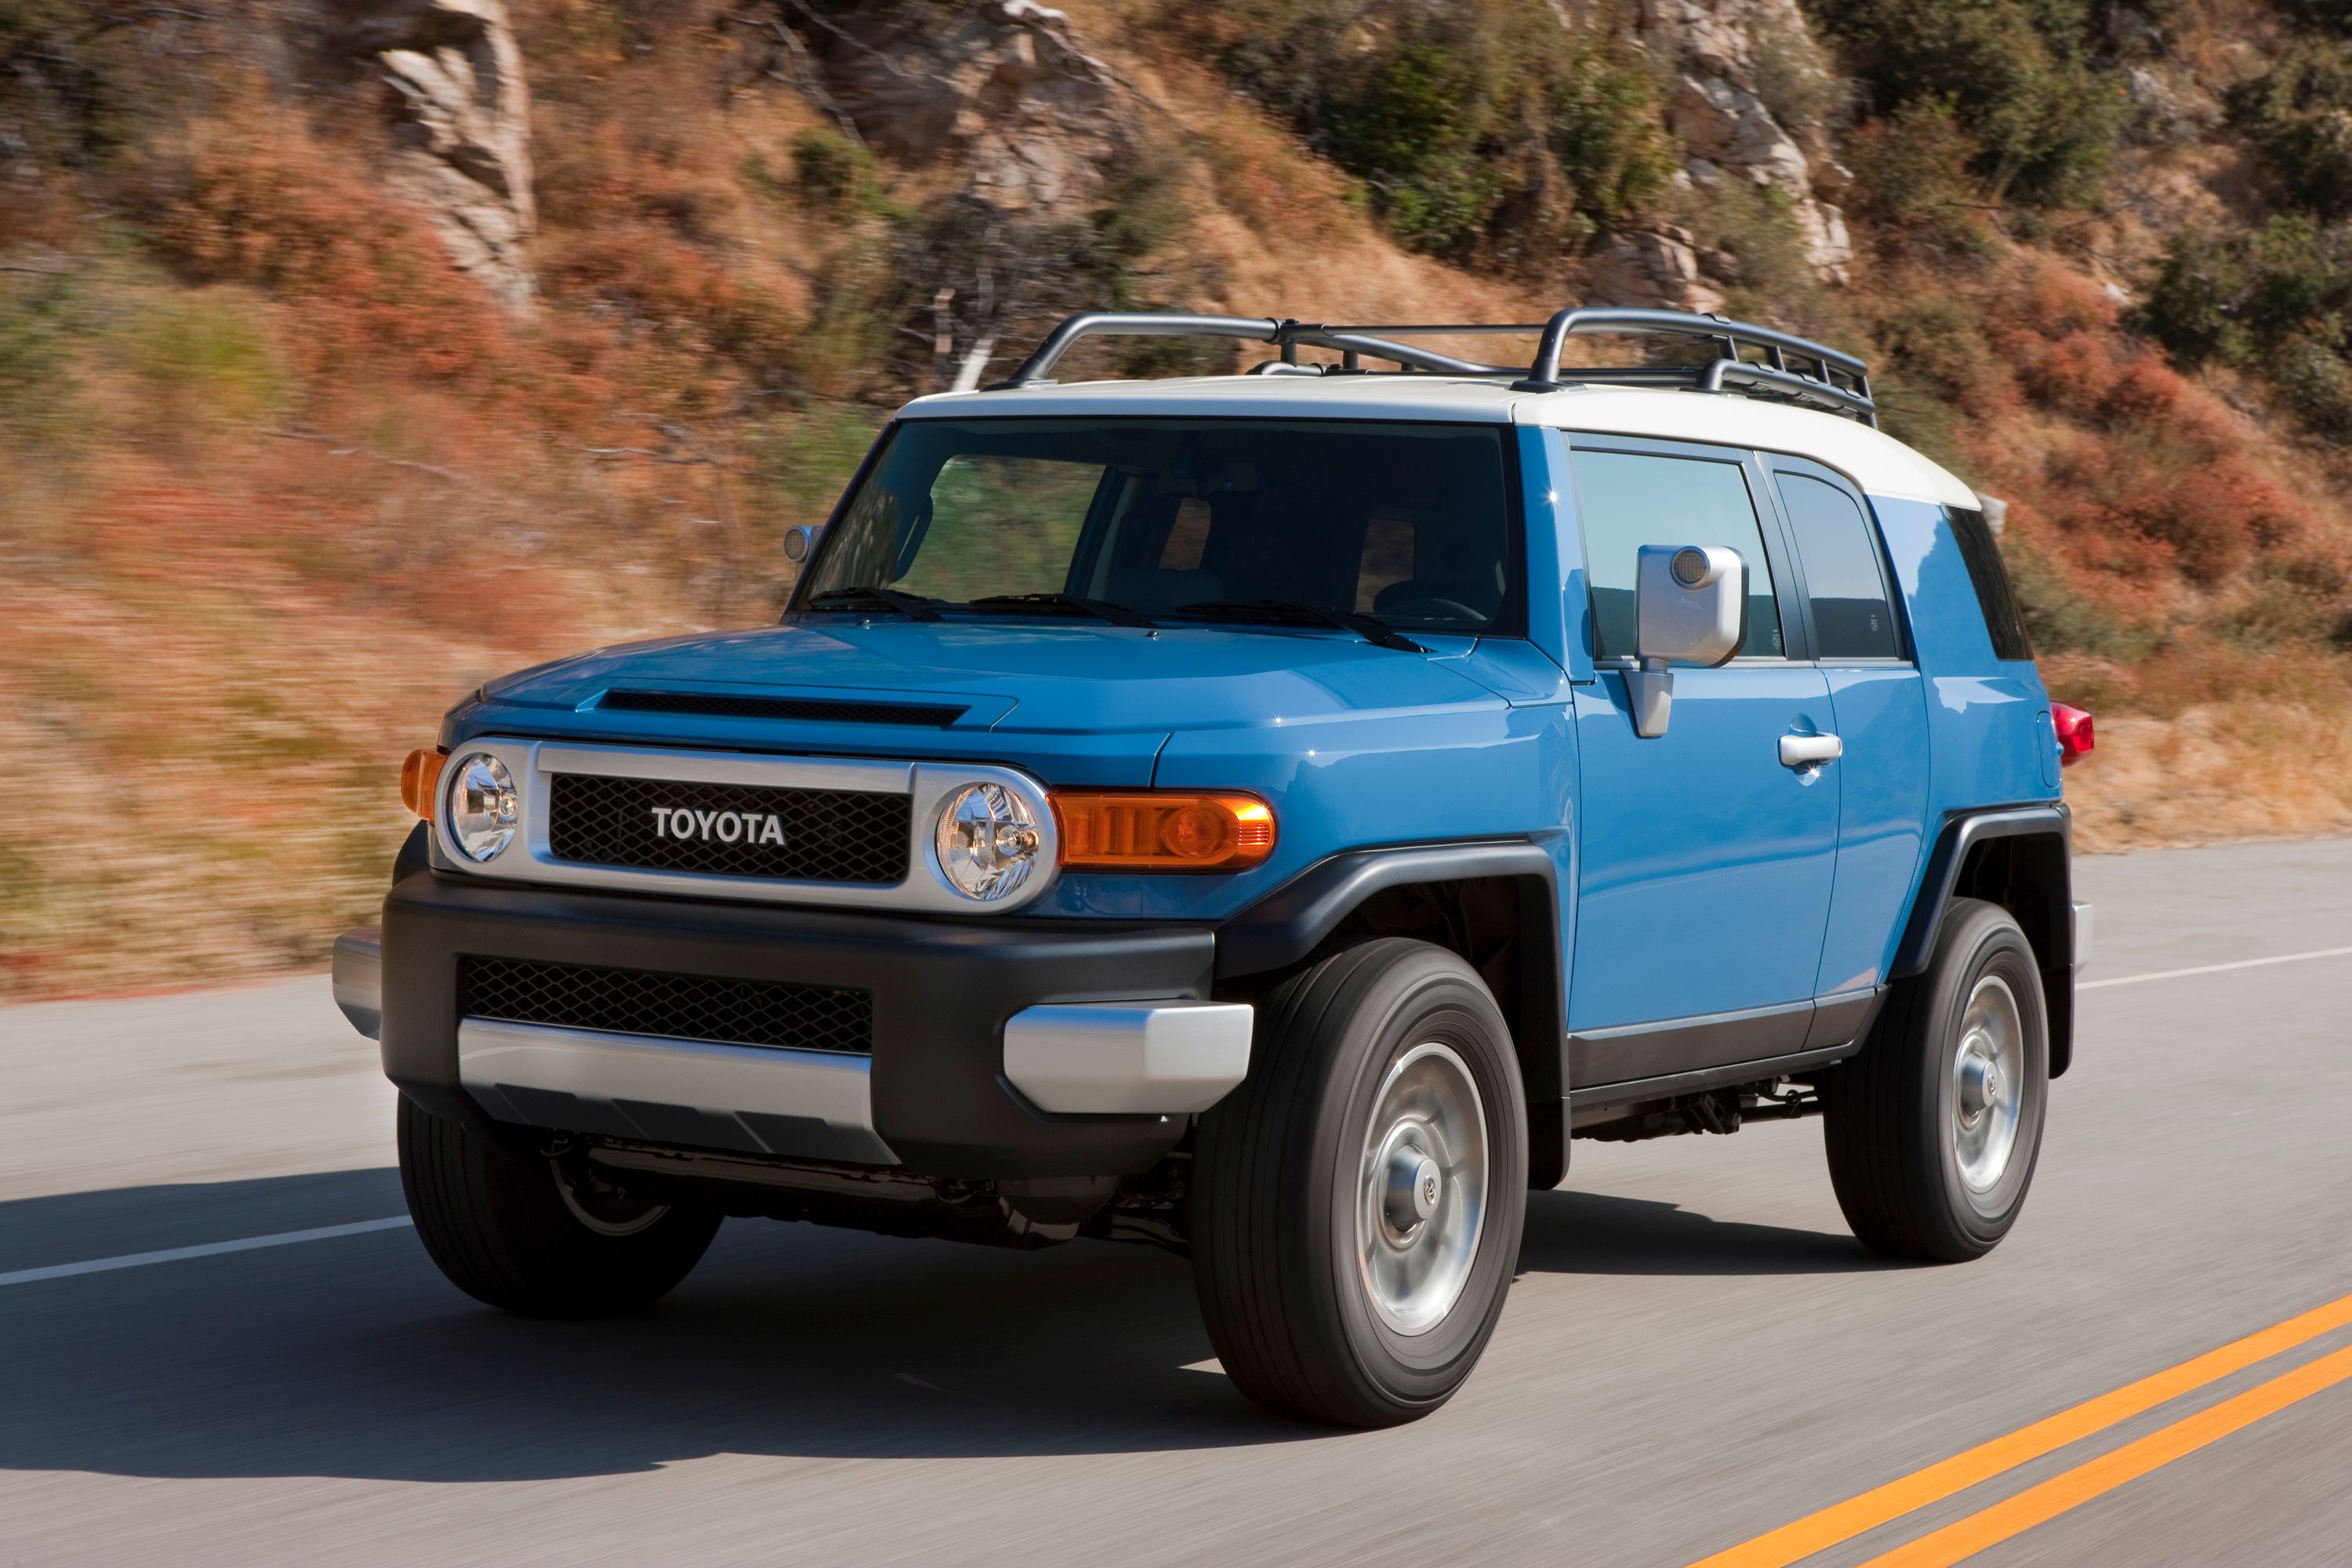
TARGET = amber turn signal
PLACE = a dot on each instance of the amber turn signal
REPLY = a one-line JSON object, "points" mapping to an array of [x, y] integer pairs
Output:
{"points": [[1162, 830], [420, 780]]}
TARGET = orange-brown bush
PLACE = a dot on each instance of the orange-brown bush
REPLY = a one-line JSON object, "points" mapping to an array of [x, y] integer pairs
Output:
{"points": [[2123, 469]]}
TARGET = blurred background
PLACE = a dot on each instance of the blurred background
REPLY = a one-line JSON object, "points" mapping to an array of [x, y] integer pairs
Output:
{"points": [[354, 350]]}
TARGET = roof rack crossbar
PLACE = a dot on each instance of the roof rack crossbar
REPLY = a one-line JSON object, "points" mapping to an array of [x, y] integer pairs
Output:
{"points": [[1132, 325], [1791, 368], [1727, 375], [1443, 329], [1349, 340], [1288, 334], [1824, 387]]}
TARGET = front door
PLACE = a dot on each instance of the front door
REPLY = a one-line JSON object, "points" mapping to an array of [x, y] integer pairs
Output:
{"points": [[1704, 863]]}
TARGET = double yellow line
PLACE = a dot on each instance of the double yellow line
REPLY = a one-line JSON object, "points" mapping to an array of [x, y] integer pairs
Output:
{"points": [[2015, 1515]]}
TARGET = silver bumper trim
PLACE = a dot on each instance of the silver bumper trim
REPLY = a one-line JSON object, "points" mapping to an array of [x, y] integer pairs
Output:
{"points": [[1128, 1058], [2082, 934], [754, 1099], [359, 979]]}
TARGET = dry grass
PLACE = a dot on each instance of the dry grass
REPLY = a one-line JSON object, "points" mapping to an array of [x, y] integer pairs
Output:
{"points": [[2216, 772]]}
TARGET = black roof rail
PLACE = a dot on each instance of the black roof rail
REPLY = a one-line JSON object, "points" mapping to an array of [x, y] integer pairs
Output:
{"points": [[1792, 369]]}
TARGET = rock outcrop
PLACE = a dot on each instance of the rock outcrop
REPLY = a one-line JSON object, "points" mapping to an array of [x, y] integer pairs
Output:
{"points": [[463, 125], [1037, 122], [1655, 266], [1036, 128], [1731, 58]]}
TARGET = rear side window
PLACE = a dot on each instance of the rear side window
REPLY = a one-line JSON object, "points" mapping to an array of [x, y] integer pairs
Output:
{"points": [[1844, 580], [1991, 581], [1627, 500]]}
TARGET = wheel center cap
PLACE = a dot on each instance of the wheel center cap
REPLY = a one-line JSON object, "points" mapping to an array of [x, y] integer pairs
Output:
{"points": [[1979, 1084], [1415, 1185]]}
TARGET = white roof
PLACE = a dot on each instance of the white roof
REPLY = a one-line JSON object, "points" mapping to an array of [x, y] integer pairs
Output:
{"points": [[1876, 463], [1198, 397]]}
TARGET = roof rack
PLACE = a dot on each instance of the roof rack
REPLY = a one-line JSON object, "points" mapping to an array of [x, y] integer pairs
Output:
{"points": [[1790, 369]]}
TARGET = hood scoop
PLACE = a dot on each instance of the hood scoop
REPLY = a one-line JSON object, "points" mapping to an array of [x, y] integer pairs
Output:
{"points": [[816, 710]]}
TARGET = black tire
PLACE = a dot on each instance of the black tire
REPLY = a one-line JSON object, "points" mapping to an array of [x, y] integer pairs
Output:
{"points": [[1892, 1115], [1280, 1212], [503, 1229]]}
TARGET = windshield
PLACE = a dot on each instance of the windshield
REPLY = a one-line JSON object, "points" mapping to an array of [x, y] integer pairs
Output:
{"points": [[1411, 524]]}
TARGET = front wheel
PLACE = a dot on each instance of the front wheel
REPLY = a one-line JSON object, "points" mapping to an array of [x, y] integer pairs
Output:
{"points": [[1358, 1201], [540, 1236], [1933, 1128]]}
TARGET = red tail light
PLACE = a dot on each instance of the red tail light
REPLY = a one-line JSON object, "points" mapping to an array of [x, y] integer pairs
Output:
{"points": [[2074, 736]]}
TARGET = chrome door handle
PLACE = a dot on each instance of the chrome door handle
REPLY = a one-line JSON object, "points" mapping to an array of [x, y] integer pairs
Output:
{"points": [[1810, 750]]}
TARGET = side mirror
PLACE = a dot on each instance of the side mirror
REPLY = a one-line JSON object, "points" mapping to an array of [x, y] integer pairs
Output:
{"points": [[1690, 604], [800, 542]]}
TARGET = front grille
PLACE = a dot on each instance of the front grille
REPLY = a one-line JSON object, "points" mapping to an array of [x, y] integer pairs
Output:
{"points": [[828, 835], [821, 709], [678, 1006]]}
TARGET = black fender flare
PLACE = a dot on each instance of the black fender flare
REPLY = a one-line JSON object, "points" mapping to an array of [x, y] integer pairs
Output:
{"points": [[2048, 920], [1284, 927]]}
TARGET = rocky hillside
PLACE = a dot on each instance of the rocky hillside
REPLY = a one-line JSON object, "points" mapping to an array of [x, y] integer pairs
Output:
{"points": [[350, 350]]}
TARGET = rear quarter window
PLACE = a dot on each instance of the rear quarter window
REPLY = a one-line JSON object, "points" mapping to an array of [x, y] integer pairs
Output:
{"points": [[1990, 579]]}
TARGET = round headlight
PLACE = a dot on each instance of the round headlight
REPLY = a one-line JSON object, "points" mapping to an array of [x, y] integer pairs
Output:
{"points": [[988, 841], [483, 806]]}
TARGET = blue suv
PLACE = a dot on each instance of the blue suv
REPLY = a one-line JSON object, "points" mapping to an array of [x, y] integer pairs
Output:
{"points": [[1270, 816]]}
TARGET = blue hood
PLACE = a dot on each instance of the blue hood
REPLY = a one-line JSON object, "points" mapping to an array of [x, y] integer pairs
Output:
{"points": [[1353, 744], [1028, 678]]}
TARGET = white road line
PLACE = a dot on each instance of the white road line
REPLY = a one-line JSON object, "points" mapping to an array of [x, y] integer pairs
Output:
{"points": [[2213, 968], [210, 1249]]}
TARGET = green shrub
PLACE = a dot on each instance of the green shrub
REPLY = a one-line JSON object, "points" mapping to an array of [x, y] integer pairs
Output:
{"points": [[39, 316], [1750, 235], [2277, 297], [1454, 113], [1142, 213], [2321, 16], [1143, 210], [2298, 115], [1793, 75], [1604, 131], [1938, 344], [206, 357], [73, 81], [2317, 381], [831, 173], [2017, 73], [1913, 175], [2194, 309]]}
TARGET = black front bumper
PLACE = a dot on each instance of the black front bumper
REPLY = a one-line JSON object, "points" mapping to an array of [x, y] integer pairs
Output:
{"points": [[941, 989]]}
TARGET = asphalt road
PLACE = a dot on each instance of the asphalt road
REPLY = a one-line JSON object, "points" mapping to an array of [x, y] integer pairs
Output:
{"points": [[1695, 1352]]}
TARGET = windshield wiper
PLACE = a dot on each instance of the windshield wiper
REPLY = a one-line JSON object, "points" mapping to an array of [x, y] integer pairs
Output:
{"points": [[912, 605], [1371, 628], [1063, 604]]}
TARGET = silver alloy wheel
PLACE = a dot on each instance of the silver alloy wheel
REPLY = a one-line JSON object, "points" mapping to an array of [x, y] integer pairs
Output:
{"points": [[1422, 1190], [1988, 1083], [601, 1207]]}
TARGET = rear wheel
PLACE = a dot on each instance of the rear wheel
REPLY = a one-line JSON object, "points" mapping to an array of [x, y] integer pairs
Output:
{"points": [[542, 1237], [1358, 1201], [1934, 1128]]}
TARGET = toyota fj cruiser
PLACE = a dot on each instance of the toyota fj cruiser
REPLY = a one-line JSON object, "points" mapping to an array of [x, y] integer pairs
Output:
{"points": [[1268, 816]]}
